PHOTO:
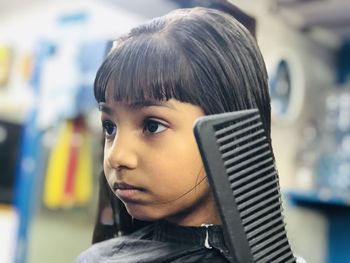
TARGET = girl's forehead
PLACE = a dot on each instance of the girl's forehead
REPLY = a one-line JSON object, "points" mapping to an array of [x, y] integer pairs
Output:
{"points": [[136, 94], [139, 103], [171, 105], [134, 102]]}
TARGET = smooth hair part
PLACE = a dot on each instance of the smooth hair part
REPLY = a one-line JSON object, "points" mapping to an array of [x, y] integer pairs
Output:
{"points": [[201, 56]]}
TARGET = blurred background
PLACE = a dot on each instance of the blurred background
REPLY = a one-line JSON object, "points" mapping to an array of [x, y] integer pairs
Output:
{"points": [[50, 135]]}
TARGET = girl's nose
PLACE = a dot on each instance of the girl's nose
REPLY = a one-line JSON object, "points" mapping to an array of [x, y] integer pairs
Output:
{"points": [[121, 153]]}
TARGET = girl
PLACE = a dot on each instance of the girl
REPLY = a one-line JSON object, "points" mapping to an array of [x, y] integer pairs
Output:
{"points": [[153, 85]]}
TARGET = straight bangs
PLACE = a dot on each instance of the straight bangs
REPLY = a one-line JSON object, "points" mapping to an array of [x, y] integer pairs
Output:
{"points": [[145, 68]]}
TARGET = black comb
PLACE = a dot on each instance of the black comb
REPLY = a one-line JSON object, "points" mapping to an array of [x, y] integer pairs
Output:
{"points": [[241, 170]]}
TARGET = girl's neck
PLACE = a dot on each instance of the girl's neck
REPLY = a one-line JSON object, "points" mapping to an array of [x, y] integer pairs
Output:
{"points": [[207, 216]]}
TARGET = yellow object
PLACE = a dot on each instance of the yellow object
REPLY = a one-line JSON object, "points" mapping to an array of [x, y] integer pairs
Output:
{"points": [[83, 178], [5, 64], [68, 183], [57, 166]]}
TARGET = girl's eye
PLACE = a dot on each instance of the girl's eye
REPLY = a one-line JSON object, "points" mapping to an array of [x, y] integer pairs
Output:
{"points": [[109, 128], [153, 126]]}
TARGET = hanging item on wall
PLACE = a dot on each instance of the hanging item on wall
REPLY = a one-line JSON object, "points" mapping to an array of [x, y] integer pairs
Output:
{"points": [[69, 71], [286, 85], [343, 63], [26, 66], [68, 180], [333, 164], [10, 135], [6, 57], [77, 187], [89, 57], [68, 75]]}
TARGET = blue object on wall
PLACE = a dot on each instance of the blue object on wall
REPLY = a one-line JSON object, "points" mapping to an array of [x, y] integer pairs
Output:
{"points": [[336, 209], [29, 162], [90, 58], [343, 63], [280, 88]]}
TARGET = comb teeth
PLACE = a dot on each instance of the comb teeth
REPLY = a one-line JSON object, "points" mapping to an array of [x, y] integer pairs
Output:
{"points": [[253, 179]]}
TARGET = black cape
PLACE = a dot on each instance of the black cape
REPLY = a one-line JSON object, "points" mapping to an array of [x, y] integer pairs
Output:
{"points": [[161, 242]]}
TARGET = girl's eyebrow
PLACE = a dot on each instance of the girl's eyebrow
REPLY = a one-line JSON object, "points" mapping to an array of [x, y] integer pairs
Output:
{"points": [[149, 103], [104, 108], [138, 105]]}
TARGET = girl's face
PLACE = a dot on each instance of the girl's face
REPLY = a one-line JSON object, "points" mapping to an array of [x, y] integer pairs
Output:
{"points": [[152, 162]]}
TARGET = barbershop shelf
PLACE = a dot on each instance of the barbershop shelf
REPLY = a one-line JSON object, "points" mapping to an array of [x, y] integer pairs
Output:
{"points": [[335, 206], [322, 197]]}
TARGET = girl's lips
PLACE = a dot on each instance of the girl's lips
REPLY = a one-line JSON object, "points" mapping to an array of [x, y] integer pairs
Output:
{"points": [[126, 192], [124, 186]]}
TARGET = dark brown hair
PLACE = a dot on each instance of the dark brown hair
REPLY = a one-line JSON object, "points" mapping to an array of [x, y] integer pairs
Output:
{"points": [[201, 56]]}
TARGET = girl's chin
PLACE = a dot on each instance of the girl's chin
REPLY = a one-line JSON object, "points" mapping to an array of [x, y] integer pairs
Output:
{"points": [[143, 214]]}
